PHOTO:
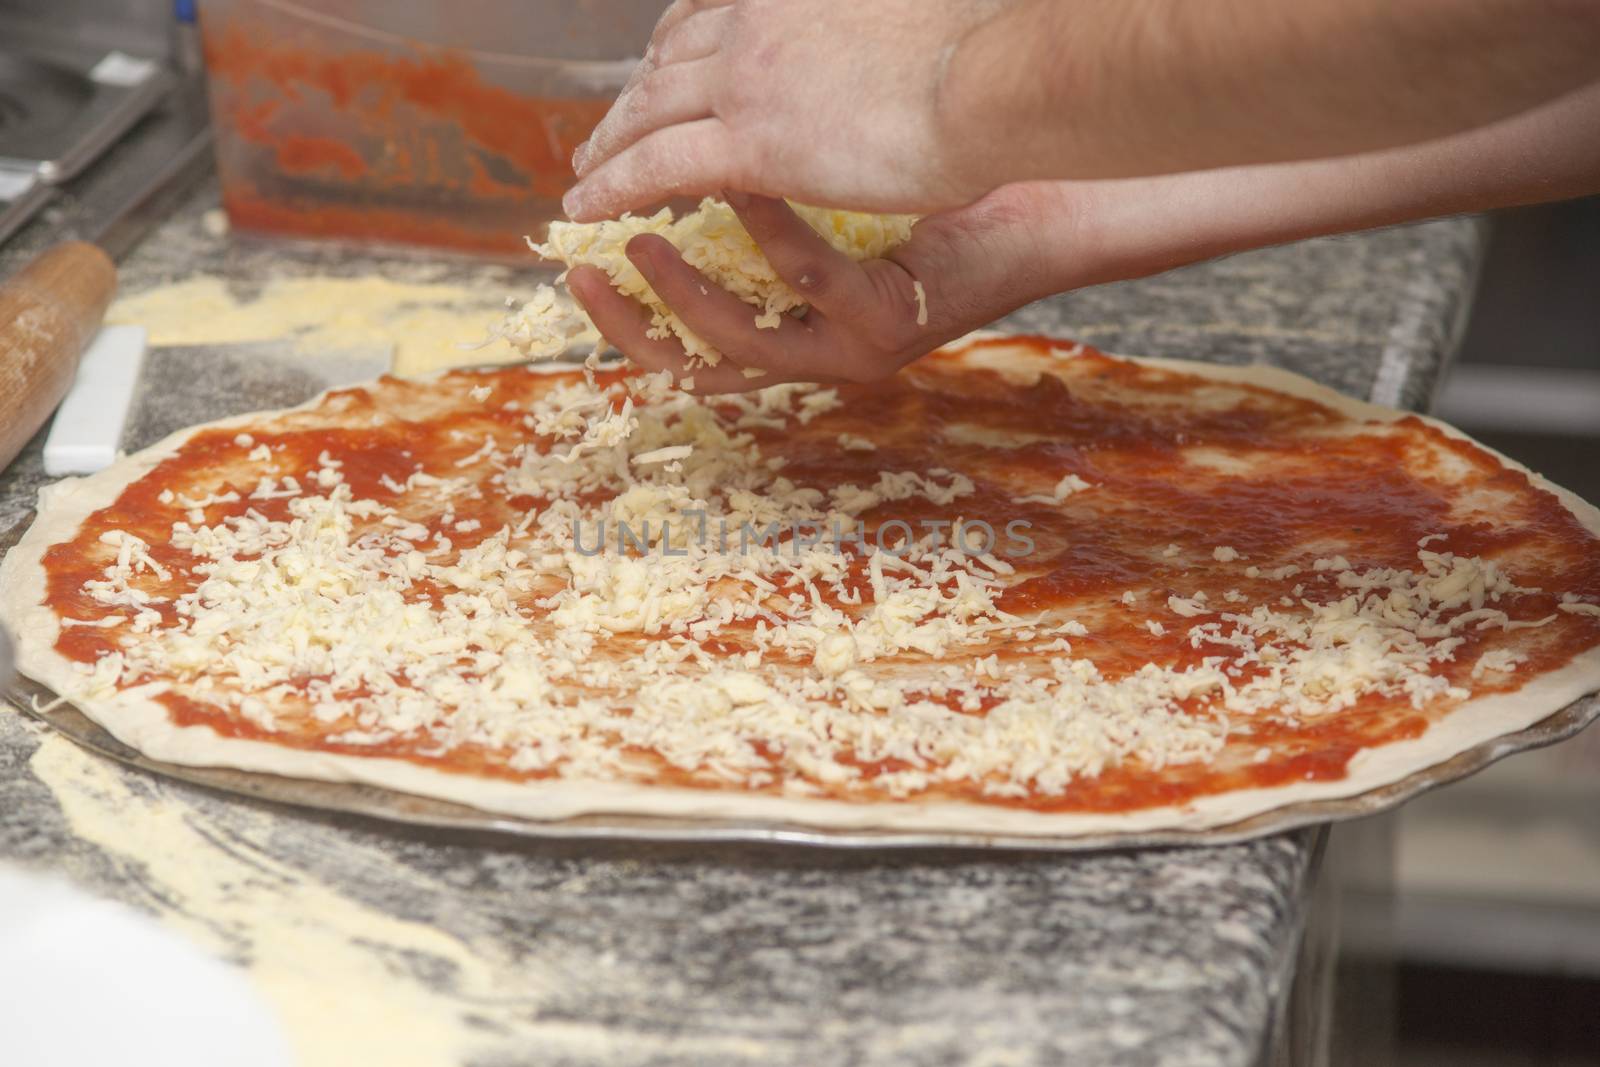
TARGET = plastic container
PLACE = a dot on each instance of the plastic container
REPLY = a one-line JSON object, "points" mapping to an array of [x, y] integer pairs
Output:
{"points": [[423, 123]]}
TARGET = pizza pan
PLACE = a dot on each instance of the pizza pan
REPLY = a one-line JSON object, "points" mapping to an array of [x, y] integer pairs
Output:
{"points": [[41, 703]]}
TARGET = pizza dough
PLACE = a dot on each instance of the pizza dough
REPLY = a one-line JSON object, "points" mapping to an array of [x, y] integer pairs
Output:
{"points": [[1204, 593]]}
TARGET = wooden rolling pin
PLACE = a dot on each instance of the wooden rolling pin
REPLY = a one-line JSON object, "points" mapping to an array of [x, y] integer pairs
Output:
{"points": [[49, 312]]}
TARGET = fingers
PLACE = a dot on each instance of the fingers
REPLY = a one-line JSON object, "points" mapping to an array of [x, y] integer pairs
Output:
{"points": [[689, 159], [666, 97], [816, 349], [877, 300], [788, 353], [829, 280], [690, 29], [991, 257], [679, 12], [621, 321], [696, 37], [625, 324], [718, 316]]}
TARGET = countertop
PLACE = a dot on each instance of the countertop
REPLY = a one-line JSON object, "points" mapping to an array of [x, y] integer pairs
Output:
{"points": [[390, 945]]}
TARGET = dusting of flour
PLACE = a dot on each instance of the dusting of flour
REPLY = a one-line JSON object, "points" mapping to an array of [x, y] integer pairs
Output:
{"points": [[427, 325], [341, 975]]}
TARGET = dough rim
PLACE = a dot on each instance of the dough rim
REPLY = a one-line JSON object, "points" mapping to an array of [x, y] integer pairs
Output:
{"points": [[138, 720]]}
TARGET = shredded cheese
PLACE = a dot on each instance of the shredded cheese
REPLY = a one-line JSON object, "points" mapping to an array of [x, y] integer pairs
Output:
{"points": [[710, 239], [662, 525]]}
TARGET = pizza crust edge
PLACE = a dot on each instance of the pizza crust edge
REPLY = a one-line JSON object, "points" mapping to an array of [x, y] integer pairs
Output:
{"points": [[141, 722]]}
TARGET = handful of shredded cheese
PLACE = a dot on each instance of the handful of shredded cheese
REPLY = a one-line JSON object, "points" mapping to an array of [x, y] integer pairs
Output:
{"points": [[713, 241]]}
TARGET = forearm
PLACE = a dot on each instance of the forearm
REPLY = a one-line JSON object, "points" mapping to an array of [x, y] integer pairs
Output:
{"points": [[964, 268], [1121, 88], [1109, 230]]}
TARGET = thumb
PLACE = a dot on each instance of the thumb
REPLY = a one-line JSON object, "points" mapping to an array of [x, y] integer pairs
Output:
{"points": [[979, 262]]}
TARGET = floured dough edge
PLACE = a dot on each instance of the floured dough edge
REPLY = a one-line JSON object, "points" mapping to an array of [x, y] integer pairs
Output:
{"points": [[138, 720]]}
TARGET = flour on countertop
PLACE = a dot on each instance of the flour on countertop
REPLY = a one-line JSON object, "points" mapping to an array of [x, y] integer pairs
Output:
{"points": [[427, 325], [341, 974]]}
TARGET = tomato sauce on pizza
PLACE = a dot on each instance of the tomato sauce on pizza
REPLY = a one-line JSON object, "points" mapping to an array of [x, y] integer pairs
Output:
{"points": [[1021, 574]]}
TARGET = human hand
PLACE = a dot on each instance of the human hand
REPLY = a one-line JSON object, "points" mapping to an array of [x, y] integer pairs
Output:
{"points": [[832, 102], [1029, 240], [920, 105], [958, 271]]}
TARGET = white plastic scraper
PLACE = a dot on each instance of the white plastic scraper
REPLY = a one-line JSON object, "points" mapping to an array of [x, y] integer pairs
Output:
{"points": [[88, 427]]}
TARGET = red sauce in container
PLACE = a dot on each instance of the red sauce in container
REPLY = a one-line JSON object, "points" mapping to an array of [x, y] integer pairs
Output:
{"points": [[412, 148]]}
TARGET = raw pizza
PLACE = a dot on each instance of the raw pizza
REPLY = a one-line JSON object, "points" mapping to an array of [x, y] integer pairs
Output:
{"points": [[1020, 588]]}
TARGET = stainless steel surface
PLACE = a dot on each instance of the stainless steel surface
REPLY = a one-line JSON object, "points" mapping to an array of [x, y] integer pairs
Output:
{"points": [[537, 33], [68, 28], [46, 706], [39, 102], [67, 104], [159, 168], [116, 202], [57, 117], [22, 194], [75, 76]]}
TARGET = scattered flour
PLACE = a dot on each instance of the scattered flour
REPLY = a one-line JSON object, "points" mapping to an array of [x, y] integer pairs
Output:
{"points": [[426, 325]]}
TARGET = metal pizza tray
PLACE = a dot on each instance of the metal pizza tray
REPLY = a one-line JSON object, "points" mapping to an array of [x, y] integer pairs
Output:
{"points": [[41, 703]]}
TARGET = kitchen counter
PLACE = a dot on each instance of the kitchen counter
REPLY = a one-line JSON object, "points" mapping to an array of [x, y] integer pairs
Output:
{"points": [[392, 945]]}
